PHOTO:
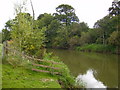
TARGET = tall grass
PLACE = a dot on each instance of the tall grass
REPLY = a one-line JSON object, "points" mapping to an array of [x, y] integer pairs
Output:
{"points": [[97, 48]]}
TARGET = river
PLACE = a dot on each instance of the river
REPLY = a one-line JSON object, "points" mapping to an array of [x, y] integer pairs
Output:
{"points": [[91, 67]]}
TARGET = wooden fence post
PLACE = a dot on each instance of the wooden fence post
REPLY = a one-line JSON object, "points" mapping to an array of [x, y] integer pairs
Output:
{"points": [[4, 49]]}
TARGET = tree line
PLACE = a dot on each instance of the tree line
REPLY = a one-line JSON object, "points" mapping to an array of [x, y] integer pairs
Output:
{"points": [[61, 29]]}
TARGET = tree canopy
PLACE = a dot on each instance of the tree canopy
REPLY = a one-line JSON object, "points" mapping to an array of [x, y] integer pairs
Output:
{"points": [[115, 8], [66, 14], [61, 30]]}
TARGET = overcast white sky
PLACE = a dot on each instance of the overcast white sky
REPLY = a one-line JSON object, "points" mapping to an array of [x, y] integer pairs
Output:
{"points": [[88, 11]]}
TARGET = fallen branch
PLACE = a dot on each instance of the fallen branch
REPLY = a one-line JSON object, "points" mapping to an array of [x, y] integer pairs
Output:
{"points": [[45, 71], [46, 66]]}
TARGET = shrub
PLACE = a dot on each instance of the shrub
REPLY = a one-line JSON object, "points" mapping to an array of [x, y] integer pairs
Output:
{"points": [[97, 48]]}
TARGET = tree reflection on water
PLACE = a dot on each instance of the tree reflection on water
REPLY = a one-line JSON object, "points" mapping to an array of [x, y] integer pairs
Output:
{"points": [[89, 80]]}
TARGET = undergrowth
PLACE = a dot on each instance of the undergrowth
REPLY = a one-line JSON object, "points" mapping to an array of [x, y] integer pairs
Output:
{"points": [[97, 48], [13, 63], [17, 71]]}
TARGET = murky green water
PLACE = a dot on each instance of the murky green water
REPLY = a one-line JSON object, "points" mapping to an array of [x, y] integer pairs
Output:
{"points": [[105, 66]]}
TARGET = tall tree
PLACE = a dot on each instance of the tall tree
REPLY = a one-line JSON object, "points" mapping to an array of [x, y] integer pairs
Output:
{"points": [[26, 38], [106, 26], [5, 35], [115, 9], [32, 9], [114, 38], [51, 24], [66, 14], [9, 24], [51, 32], [7, 31], [44, 20]]}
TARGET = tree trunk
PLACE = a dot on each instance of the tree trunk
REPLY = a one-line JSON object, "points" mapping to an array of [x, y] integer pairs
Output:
{"points": [[103, 39], [32, 10]]}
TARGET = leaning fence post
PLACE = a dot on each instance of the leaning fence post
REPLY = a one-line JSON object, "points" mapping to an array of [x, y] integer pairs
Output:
{"points": [[4, 49]]}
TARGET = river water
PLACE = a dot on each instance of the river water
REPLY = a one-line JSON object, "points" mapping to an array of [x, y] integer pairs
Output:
{"points": [[94, 69]]}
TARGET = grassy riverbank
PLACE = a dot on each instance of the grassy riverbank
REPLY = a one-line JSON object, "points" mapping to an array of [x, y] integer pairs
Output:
{"points": [[20, 77], [18, 72], [97, 48]]}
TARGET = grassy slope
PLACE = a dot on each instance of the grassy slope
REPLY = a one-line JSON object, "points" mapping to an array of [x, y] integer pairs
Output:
{"points": [[20, 74], [22, 78]]}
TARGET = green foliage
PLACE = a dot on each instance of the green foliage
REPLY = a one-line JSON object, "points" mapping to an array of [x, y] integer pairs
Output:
{"points": [[8, 24], [88, 37], [77, 28], [51, 32], [44, 20], [51, 24], [83, 27], [5, 35], [75, 32], [73, 41], [50, 56], [60, 30], [106, 26], [97, 48], [115, 9], [60, 41], [18, 61], [60, 36], [66, 14], [25, 37], [114, 38]]}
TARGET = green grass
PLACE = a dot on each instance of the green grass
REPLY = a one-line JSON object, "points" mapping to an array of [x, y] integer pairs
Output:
{"points": [[20, 77], [17, 71], [97, 48]]}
